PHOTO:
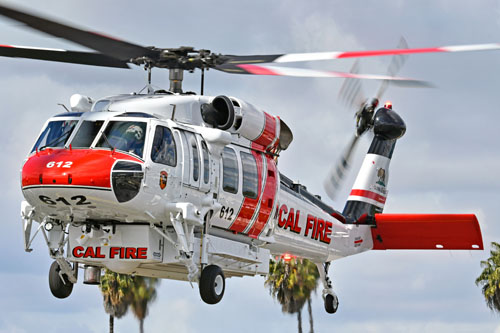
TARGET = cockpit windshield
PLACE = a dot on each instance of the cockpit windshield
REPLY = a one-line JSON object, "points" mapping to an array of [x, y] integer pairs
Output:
{"points": [[86, 133], [55, 134], [124, 135]]}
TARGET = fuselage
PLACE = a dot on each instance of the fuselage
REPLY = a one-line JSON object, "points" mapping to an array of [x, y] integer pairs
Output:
{"points": [[135, 159]]}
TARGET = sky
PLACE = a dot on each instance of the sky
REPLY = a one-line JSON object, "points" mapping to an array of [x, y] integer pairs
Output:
{"points": [[447, 162]]}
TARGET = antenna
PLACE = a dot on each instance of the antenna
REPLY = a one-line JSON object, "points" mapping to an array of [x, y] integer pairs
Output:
{"points": [[147, 67]]}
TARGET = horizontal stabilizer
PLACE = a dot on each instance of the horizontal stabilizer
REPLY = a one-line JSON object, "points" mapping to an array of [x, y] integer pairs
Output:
{"points": [[426, 232]]}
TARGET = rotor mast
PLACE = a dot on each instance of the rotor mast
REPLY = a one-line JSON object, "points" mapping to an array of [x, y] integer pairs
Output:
{"points": [[176, 75]]}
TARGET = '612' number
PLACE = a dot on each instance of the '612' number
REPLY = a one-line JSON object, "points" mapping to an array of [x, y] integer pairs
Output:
{"points": [[80, 200], [226, 213], [59, 164]]}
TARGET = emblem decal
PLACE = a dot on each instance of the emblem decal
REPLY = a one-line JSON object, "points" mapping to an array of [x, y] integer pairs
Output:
{"points": [[381, 177], [163, 179]]}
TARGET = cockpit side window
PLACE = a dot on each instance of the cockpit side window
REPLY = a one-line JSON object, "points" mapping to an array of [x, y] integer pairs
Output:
{"points": [[55, 134], [124, 135], [164, 149], [86, 134], [230, 172]]}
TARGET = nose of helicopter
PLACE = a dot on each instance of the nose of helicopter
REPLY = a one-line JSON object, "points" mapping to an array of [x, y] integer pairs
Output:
{"points": [[82, 168]]}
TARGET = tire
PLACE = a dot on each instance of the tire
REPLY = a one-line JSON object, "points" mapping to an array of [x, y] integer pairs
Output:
{"points": [[212, 284], [58, 287], [331, 303]]}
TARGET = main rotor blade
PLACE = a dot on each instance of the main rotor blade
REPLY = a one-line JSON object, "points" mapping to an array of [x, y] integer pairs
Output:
{"points": [[313, 56], [60, 55], [107, 45], [333, 181], [302, 72]]}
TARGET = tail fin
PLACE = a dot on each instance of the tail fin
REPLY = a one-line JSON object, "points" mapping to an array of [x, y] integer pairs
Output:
{"points": [[369, 192]]}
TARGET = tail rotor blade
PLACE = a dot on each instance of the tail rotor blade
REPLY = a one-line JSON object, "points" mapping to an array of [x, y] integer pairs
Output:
{"points": [[333, 182], [351, 92], [397, 62]]}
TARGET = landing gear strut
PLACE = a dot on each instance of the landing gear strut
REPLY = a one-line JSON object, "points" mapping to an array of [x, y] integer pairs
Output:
{"points": [[59, 283], [212, 284], [330, 298]]}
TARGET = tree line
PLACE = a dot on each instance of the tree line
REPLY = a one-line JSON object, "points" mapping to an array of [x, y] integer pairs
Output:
{"points": [[291, 282]]}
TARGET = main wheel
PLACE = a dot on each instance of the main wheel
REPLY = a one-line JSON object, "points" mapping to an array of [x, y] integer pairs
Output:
{"points": [[58, 287], [331, 303], [212, 284]]}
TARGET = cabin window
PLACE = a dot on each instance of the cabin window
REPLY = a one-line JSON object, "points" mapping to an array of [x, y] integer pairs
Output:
{"points": [[164, 150], [206, 162], [250, 175], [193, 146], [55, 134], [124, 135], [230, 171], [86, 134]]}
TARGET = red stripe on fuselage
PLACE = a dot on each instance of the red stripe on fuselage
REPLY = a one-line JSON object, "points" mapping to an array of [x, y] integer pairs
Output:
{"points": [[267, 202], [249, 205], [85, 167], [269, 133], [369, 195]]}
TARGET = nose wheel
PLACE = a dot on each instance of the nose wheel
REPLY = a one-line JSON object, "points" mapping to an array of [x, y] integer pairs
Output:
{"points": [[59, 284], [212, 284]]}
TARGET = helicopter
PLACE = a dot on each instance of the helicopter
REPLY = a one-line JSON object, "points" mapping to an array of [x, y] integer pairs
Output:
{"points": [[184, 186]]}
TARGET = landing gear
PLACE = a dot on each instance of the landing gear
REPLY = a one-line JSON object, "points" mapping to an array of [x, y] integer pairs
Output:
{"points": [[59, 284], [212, 284], [330, 298], [331, 303]]}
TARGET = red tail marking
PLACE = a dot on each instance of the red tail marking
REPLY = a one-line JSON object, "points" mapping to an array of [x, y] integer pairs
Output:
{"points": [[369, 195], [427, 232]]}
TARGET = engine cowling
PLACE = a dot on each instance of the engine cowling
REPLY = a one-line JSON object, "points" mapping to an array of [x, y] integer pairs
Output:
{"points": [[268, 131], [219, 113]]}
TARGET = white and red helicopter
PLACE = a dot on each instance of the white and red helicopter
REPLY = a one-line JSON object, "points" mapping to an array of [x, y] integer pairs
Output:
{"points": [[184, 186]]}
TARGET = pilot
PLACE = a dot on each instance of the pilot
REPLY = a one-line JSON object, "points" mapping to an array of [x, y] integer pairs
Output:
{"points": [[135, 139], [166, 153]]}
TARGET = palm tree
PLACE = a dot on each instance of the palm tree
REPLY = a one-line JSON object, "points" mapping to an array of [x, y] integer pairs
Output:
{"points": [[292, 283], [489, 279], [311, 280], [307, 282], [143, 291], [115, 289]]}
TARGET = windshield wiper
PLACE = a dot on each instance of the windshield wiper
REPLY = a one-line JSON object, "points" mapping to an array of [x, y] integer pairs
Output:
{"points": [[56, 140], [107, 141]]}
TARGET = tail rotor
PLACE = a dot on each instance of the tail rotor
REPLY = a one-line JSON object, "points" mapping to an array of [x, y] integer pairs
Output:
{"points": [[352, 96]]}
